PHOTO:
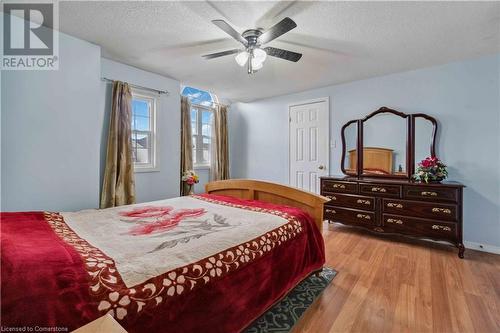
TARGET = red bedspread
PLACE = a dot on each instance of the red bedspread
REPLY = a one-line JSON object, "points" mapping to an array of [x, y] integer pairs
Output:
{"points": [[46, 283]]}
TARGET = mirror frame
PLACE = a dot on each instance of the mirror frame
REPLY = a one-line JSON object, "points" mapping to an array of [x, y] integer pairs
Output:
{"points": [[410, 142], [344, 148]]}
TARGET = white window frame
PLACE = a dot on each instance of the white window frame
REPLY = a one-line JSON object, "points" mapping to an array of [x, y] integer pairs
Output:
{"points": [[199, 136], [152, 97]]}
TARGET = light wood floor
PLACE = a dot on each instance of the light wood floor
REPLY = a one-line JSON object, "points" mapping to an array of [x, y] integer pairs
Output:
{"points": [[389, 284]]}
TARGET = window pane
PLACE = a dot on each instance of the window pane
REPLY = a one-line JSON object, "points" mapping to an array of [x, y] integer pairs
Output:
{"points": [[194, 156], [197, 96], [206, 130], [206, 117], [134, 139], [206, 156], [142, 155], [201, 124], [140, 107], [134, 155], [141, 124], [142, 140], [143, 129]]}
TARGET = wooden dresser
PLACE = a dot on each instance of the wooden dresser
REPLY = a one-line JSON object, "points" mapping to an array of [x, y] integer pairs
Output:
{"points": [[397, 206]]}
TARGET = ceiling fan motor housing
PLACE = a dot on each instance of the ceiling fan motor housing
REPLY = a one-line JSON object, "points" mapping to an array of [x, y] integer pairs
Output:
{"points": [[252, 35]]}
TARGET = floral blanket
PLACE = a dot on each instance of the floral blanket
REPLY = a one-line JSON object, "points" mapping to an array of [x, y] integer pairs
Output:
{"points": [[168, 259]]}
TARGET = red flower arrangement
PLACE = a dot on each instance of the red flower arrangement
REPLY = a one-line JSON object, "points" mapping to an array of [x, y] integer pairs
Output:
{"points": [[430, 169]]}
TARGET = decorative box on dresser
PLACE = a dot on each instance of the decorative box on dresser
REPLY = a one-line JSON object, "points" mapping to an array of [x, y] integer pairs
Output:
{"points": [[397, 206]]}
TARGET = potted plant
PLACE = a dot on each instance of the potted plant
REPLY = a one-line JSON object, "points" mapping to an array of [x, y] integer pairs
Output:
{"points": [[190, 178], [430, 170]]}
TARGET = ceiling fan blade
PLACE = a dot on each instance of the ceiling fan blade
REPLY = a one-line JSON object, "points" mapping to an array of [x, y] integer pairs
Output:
{"points": [[283, 54], [277, 30], [283, 9], [230, 31], [220, 54]]}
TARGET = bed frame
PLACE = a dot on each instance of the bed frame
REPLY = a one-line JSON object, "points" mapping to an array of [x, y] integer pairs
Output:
{"points": [[272, 193]]}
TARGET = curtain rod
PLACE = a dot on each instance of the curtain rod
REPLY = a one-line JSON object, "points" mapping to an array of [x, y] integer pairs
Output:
{"points": [[139, 87]]}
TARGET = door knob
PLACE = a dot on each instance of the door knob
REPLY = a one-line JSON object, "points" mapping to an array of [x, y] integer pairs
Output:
{"points": [[321, 167]]}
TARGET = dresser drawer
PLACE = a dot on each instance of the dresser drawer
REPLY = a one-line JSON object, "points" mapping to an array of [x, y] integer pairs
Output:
{"points": [[380, 190], [421, 209], [419, 227], [349, 200], [339, 186], [349, 216], [431, 193]]}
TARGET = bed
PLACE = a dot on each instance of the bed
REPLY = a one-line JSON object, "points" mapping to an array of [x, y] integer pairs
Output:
{"points": [[205, 263]]}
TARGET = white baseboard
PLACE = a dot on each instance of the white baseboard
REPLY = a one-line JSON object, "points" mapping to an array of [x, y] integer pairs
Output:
{"points": [[482, 247]]}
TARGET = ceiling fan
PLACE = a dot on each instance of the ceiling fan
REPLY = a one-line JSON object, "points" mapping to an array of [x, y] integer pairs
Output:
{"points": [[254, 55]]}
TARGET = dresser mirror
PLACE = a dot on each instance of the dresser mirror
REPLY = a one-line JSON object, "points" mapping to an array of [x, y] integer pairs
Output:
{"points": [[424, 134], [391, 143], [351, 142], [384, 145]]}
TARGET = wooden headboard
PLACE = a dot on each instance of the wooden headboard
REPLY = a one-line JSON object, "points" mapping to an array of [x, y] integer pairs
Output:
{"points": [[273, 193], [374, 158]]}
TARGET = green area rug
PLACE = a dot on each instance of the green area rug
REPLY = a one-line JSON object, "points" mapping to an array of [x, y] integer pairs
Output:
{"points": [[284, 314]]}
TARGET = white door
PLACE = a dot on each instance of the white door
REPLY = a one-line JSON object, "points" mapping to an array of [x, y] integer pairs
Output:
{"points": [[309, 142]]}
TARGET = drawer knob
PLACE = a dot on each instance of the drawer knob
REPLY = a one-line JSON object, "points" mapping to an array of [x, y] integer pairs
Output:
{"points": [[363, 216], [441, 210], [428, 194], [331, 197], [379, 189], [330, 211], [362, 201], [441, 227], [339, 186], [394, 221], [394, 205]]}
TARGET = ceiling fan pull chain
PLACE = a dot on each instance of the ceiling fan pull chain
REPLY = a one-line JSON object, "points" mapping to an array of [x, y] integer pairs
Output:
{"points": [[249, 62]]}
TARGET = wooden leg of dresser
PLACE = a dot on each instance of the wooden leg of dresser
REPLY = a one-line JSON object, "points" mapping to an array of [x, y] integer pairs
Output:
{"points": [[461, 250]]}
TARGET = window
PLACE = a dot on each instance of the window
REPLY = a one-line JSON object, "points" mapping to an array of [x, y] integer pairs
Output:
{"points": [[202, 104], [201, 127], [144, 131]]}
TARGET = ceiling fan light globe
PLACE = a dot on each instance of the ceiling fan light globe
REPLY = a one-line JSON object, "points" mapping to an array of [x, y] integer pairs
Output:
{"points": [[259, 54], [241, 58], [256, 65]]}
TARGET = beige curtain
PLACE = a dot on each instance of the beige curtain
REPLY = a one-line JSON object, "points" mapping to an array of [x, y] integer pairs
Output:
{"points": [[118, 186], [186, 142], [219, 164]]}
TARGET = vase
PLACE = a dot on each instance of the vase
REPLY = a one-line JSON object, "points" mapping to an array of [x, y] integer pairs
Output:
{"points": [[190, 190], [433, 180]]}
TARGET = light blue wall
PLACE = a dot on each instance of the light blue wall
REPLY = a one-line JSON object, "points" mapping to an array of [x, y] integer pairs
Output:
{"points": [[463, 96], [54, 130], [51, 121], [164, 183]]}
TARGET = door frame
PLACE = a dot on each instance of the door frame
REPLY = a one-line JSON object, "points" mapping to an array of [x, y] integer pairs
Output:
{"points": [[309, 101]]}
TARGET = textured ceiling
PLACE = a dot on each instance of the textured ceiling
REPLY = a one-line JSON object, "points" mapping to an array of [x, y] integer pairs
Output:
{"points": [[340, 41]]}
